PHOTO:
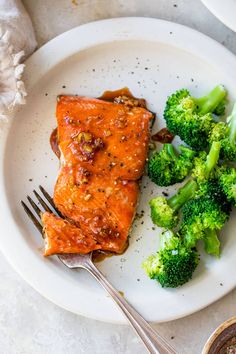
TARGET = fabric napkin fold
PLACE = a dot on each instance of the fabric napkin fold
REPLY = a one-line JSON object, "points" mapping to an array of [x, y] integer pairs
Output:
{"points": [[17, 41]]}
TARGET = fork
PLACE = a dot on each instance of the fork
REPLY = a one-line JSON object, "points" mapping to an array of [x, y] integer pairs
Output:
{"points": [[153, 341]]}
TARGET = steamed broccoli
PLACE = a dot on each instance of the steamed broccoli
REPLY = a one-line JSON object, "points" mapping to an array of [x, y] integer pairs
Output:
{"points": [[227, 179], [204, 215], [167, 167], [174, 263], [200, 215], [164, 212], [213, 189], [205, 163], [191, 118], [226, 134]]}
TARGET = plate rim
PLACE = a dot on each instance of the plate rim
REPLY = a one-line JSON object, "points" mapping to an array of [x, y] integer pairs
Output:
{"points": [[173, 34], [225, 16]]}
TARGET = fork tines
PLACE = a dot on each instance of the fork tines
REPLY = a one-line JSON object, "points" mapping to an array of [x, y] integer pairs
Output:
{"points": [[36, 210], [32, 217]]}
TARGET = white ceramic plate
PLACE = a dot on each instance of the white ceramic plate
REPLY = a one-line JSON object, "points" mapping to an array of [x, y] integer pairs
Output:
{"points": [[225, 11], [153, 58]]}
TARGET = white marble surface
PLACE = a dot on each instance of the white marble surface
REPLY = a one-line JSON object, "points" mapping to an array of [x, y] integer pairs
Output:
{"points": [[29, 324]]}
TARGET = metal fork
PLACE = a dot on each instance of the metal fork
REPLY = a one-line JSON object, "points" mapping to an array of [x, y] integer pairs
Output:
{"points": [[152, 340]]}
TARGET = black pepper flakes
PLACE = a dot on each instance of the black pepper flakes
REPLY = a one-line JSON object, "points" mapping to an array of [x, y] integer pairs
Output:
{"points": [[165, 194]]}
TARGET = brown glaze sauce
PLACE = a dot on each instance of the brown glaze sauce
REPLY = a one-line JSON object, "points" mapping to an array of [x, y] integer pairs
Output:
{"points": [[163, 136], [119, 96], [54, 143], [99, 255], [123, 96], [111, 95]]}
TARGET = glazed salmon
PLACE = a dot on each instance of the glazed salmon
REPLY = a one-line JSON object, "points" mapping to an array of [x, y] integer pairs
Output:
{"points": [[103, 148]]}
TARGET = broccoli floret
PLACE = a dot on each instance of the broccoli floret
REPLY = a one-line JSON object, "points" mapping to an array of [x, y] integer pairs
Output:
{"points": [[191, 118], [226, 134], [219, 132], [164, 212], [227, 179], [214, 190], [174, 264], [167, 167], [200, 215], [205, 163], [205, 214]]}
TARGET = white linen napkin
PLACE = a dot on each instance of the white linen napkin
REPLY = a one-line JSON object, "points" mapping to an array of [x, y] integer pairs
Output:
{"points": [[17, 41]]}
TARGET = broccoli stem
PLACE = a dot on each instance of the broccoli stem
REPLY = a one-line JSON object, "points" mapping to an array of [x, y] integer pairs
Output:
{"points": [[169, 148], [232, 125], [209, 103], [212, 157], [183, 195], [166, 239], [212, 243]]}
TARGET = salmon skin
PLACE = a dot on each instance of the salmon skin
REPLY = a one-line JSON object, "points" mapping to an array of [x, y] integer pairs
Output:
{"points": [[103, 148]]}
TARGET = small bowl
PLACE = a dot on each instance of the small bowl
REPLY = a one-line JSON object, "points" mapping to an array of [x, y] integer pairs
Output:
{"points": [[224, 336]]}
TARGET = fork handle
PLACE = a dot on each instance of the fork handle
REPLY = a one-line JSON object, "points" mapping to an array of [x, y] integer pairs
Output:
{"points": [[152, 340]]}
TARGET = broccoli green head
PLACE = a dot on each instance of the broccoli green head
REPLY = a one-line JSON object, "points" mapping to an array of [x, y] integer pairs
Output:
{"points": [[212, 188], [199, 167], [205, 212], [191, 118], [182, 120], [201, 214], [228, 150], [162, 214], [226, 134], [160, 166], [221, 132], [174, 264], [184, 164], [227, 179], [167, 167]]}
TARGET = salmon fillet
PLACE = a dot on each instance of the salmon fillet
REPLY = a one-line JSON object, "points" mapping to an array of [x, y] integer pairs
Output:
{"points": [[103, 148]]}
